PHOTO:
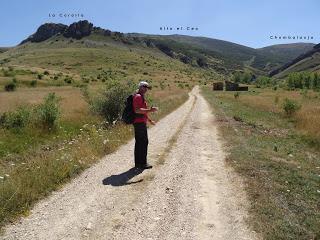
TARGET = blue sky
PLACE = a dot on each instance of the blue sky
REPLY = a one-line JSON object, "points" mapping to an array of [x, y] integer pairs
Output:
{"points": [[246, 22]]}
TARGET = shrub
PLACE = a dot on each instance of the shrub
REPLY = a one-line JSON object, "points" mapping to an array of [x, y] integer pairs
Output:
{"points": [[46, 72], [17, 119], [40, 76], [242, 77], [180, 85], [68, 80], [10, 87], [162, 85], [290, 107], [48, 113], [33, 83], [263, 81], [111, 102]]}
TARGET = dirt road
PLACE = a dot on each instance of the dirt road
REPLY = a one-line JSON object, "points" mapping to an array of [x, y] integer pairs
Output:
{"points": [[189, 193]]}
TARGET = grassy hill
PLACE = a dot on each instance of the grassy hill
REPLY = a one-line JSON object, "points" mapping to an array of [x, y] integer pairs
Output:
{"points": [[236, 56], [198, 52], [94, 59], [308, 61], [287, 51]]}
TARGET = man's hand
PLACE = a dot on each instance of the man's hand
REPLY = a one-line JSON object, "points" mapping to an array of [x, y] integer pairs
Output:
{"points": [[152, 122], [153, 109]]}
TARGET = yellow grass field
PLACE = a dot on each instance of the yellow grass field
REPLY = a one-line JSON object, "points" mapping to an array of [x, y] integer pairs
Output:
{"points": [[72, 103], [307, 119]]}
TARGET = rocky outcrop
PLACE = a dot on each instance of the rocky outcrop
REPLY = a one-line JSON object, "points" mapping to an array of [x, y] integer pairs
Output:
{"points": [[45, 32], [79, 29], [101, 31], [185, 59], [76, 30], [165, 49]]}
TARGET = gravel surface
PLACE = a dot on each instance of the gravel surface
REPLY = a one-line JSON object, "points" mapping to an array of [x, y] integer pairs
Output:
{"points": [[188, 194]]}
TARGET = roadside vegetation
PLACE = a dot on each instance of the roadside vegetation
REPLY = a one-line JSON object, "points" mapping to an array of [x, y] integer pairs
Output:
{"points": [[273, 141], [41, 147], [60, 117]]}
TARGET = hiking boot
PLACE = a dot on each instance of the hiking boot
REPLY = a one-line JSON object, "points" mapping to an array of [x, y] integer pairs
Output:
{"points": [[139, 166], [146, 166]]}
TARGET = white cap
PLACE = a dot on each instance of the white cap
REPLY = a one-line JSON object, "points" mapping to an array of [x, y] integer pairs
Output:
{"points": [[145, 84]]}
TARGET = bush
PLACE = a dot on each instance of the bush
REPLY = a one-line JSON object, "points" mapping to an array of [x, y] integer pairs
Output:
{"points": [[10, 87], [40, 76], [33, 83], [46, 72], [263, 81], [162, 86], [48, 113], [68, 79], [242, 77], [111, 101], [290, 107], [180, 85], [17, 119]]}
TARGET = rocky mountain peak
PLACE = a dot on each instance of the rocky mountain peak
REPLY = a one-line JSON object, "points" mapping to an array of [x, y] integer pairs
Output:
{"points": [[46, 31], [75, 30], [79, 29]]}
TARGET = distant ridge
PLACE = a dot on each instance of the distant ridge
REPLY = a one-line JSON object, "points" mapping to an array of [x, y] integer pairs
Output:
{"points": [[223, 56], [310, 53]]}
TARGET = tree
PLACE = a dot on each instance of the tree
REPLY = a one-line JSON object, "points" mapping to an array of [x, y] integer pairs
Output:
{"points": [[316, 81]]}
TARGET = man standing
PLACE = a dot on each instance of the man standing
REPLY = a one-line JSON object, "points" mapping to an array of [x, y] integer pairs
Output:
{"points": [[140, 126]]}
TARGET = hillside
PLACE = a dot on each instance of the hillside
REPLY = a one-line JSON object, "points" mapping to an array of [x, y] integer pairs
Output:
{"points": [[87, 51], [236, 55], [287, 51], [308, 61], [200, 52], [96, 58]]}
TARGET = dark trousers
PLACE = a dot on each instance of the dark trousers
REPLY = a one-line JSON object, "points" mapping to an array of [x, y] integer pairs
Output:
{"points": [[141, 145]]}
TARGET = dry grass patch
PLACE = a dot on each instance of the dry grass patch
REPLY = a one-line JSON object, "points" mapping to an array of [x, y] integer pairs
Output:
{"points": [[73, 105]]}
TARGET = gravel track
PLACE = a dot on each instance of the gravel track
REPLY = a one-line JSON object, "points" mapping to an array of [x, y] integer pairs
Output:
{"points": [[189, 193]]}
